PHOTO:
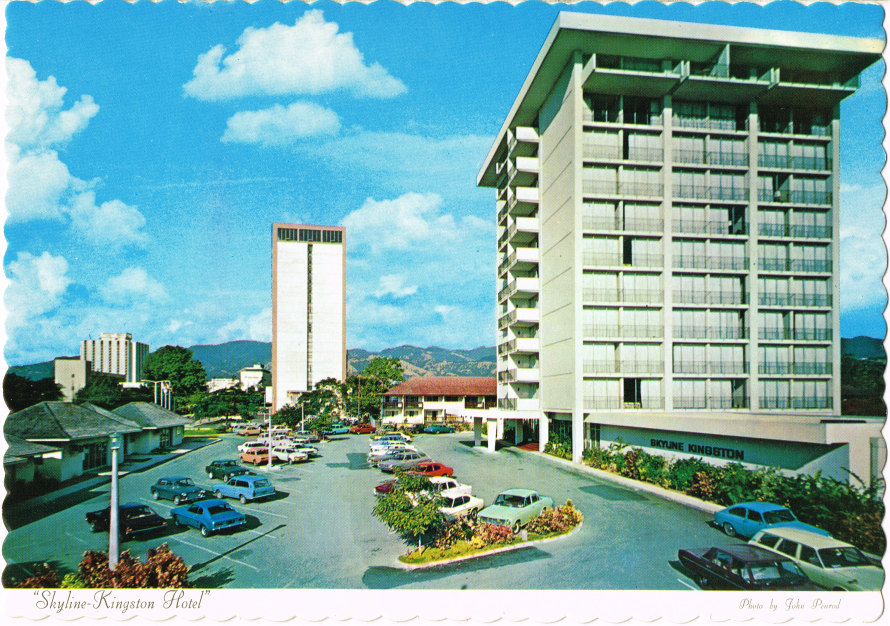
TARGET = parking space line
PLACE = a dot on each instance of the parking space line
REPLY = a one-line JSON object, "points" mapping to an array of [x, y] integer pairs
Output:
{"points": [[685, 584], [218, 554], [76, 538]]}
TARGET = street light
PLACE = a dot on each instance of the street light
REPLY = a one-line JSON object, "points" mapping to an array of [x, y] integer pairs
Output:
{"points": [[113, 543]]}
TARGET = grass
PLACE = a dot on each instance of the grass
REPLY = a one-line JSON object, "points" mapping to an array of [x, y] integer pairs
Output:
{"points": [[462, 548], [202, 432]]}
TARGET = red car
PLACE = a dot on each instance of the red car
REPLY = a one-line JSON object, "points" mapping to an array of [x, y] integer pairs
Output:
{"points": [[430, 468], [362, 429]]}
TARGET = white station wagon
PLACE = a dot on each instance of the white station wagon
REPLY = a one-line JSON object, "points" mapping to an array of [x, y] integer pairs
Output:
{"points": [[826, 561]]}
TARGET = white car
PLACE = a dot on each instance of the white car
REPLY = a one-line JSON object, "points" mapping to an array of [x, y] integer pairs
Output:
{"points": [[289, 454], [443, 483], [391, 437], [251, 446], [459, 504], [388, 447], [826, 561]]}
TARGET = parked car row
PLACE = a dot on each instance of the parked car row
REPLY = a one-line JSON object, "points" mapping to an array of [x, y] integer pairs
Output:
{"points": [[782, 554], [208, 516]]}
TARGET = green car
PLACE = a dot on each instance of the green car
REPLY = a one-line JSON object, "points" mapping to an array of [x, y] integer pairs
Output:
{"points": [[515, 508]]}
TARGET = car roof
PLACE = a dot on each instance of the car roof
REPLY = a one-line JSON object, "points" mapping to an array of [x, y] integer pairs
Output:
{"points": [[440, 479], [760, 507], [208, 503], [814, 540], [750, 553], [519, 492], [173, 477], [132, 505], [452, 493], [220, 461]]}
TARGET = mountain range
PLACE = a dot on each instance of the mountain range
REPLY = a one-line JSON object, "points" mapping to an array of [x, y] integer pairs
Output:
{"points": [[225, 359]]}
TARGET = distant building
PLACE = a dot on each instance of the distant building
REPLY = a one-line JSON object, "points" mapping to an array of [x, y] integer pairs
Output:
{"points": [[71, 374], [308, 308], [254, 376], [115, 353], [439, 399], [218, 384]]}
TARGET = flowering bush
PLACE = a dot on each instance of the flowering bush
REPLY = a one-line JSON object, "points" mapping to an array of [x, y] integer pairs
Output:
{"points": [[460, 529], [556, 520], [492, 533]]}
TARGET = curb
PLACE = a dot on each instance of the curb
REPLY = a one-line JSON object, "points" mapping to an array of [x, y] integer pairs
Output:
{"points": [[519, 546], [636, 485]]}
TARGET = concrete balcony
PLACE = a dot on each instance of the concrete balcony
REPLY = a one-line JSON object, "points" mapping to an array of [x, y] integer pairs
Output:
{"points": [[519, 404], [519, 345], [520, 375], [523, 286], [522, 141]]}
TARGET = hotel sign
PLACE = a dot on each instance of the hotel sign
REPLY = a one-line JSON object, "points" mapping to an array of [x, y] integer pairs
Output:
{"points": [[697, 448]]}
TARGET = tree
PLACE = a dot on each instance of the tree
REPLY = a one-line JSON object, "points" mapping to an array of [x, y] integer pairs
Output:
{"points": [[363, 391], [106, 391], [175, 363], [225, 402], [412, 516], [20, 392]]}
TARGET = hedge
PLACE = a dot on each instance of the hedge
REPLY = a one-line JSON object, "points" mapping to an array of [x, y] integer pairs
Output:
{"points": [[850, 512]]}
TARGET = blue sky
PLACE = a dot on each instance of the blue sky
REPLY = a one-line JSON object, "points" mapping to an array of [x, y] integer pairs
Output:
{"points": [[151, 147]]}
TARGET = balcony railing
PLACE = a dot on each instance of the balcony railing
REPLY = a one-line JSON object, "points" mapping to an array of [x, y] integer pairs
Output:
{"points": [[700, 157], [627, 332], [774, 369], [692, 261], [709, 332], [599, 403], [623, 367], [788, 128], [812, 369], [794, 299], [690, 226], [705, 123], [713, 367], [781, 161], [786, 196], [635, 296], [611, 116], [637, 260], [711, 402], [616, 153], [795, 265], [708, 297], [646, 190], [812, 334], [811, 402], [643, 224], [690, 367], [702, 192], [798, 231]]}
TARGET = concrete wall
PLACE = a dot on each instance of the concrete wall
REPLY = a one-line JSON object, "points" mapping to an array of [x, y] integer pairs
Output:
{"points": [[328, 328], [290, 313]]}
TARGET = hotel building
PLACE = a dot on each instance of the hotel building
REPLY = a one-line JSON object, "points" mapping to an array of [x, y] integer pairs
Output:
{"points": [[115, 353], [668, 211], [308, 308]]}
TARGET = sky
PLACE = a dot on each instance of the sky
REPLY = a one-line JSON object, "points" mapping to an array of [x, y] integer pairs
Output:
{"points": [[150, 147]]}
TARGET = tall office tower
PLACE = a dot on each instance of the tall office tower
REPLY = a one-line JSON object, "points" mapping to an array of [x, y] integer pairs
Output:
{"points": [[667, 206], [115, 353], [308, 308]]}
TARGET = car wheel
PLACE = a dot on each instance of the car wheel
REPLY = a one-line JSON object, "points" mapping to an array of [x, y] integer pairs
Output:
{"points": [[243, 499], [155, 495], [177, 521], [703, 581], [729, 529], [217, 494], [473, 514], [176, 500], [204, 531], [210, 475], [516, 527]]}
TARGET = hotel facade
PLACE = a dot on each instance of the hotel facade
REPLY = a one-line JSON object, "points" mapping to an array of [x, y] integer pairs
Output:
{"points": [[115, 353], [668, 232], [308, 308]]}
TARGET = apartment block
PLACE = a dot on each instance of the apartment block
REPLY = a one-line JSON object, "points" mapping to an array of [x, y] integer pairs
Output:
{"points": [[308, 308], [115, 353], [668, 232]]}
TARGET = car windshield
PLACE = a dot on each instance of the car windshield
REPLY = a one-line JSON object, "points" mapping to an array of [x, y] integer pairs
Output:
{"points": [[218, 509], [843, 557], [510, 501], [779, 516], [775, 573], [261, 483], [226, 463], [185, 482]]}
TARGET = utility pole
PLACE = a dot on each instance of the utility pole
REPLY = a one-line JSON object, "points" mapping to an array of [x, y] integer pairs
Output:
{"points": [[113, 539]]}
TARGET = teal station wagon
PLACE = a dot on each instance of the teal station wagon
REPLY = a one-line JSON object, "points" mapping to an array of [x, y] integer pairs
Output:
{"points": [[245, 488]]}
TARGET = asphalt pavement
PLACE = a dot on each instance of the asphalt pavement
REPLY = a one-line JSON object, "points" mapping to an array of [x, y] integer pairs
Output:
{"points": [[318, 531]]}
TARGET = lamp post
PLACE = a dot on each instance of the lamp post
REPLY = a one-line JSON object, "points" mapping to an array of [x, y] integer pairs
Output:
{"points": [[113, 540]]}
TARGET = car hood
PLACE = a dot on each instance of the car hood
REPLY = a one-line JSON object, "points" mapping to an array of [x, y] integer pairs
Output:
{"points": [[496, 511], [867, 577]]}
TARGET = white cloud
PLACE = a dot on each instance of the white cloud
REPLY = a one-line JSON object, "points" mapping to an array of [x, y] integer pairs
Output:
{"points": [[36, 286], [280, 125], [310, 57], [133, 286], [112, 223], [394, 285], [406, 222], [257, 327], [34, 112], [38, 183], [445, 311]]}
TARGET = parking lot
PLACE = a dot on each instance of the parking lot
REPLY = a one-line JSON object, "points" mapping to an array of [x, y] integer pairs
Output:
{"points": [[318, 531]]}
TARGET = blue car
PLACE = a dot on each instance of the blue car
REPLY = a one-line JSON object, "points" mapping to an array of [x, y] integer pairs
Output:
{"points": [[747, 518], [245, 488], [337, 429], [208, 516], [436, 429]]}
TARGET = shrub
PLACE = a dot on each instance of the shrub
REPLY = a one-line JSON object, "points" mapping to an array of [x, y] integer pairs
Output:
{"points": [[460, 529], [493, 534], [44, 577], [556, 520]]}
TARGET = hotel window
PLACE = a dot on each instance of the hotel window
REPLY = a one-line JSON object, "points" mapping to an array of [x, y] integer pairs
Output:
{"points": [[806, 156], [726, 325], [600, 287], [811, 394], [773, 291], [725, 151], [599, 323], [641, 288], [690, 394], [602, 145], [641, 111], [774, 361], [688, 149], [644, 217], [599, 358], [690, 359], [641, 323], [814, 292], [641, 252], [604, 108], [773, 154], [811, 224], [689, 289], [774, 394], [602, 394], [690, 324], [643, 147], [726, 255], [812, 326]]}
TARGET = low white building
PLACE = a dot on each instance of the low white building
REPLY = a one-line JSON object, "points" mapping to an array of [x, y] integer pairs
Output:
{"points": [[255, 376], [439, 399]]}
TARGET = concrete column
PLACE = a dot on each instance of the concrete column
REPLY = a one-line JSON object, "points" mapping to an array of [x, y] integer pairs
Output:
{"points": [[517, 432], [577, 435], [477, 431], [500, 428], [492, 434], [543, 431]]}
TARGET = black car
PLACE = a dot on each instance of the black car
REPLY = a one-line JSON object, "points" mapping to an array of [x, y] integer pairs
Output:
{"points": [[132, 519], [744, 567], [225, 469], [177, 488]]}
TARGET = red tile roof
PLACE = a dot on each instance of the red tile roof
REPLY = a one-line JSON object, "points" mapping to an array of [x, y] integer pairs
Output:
{"points": [[446, 386]]}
